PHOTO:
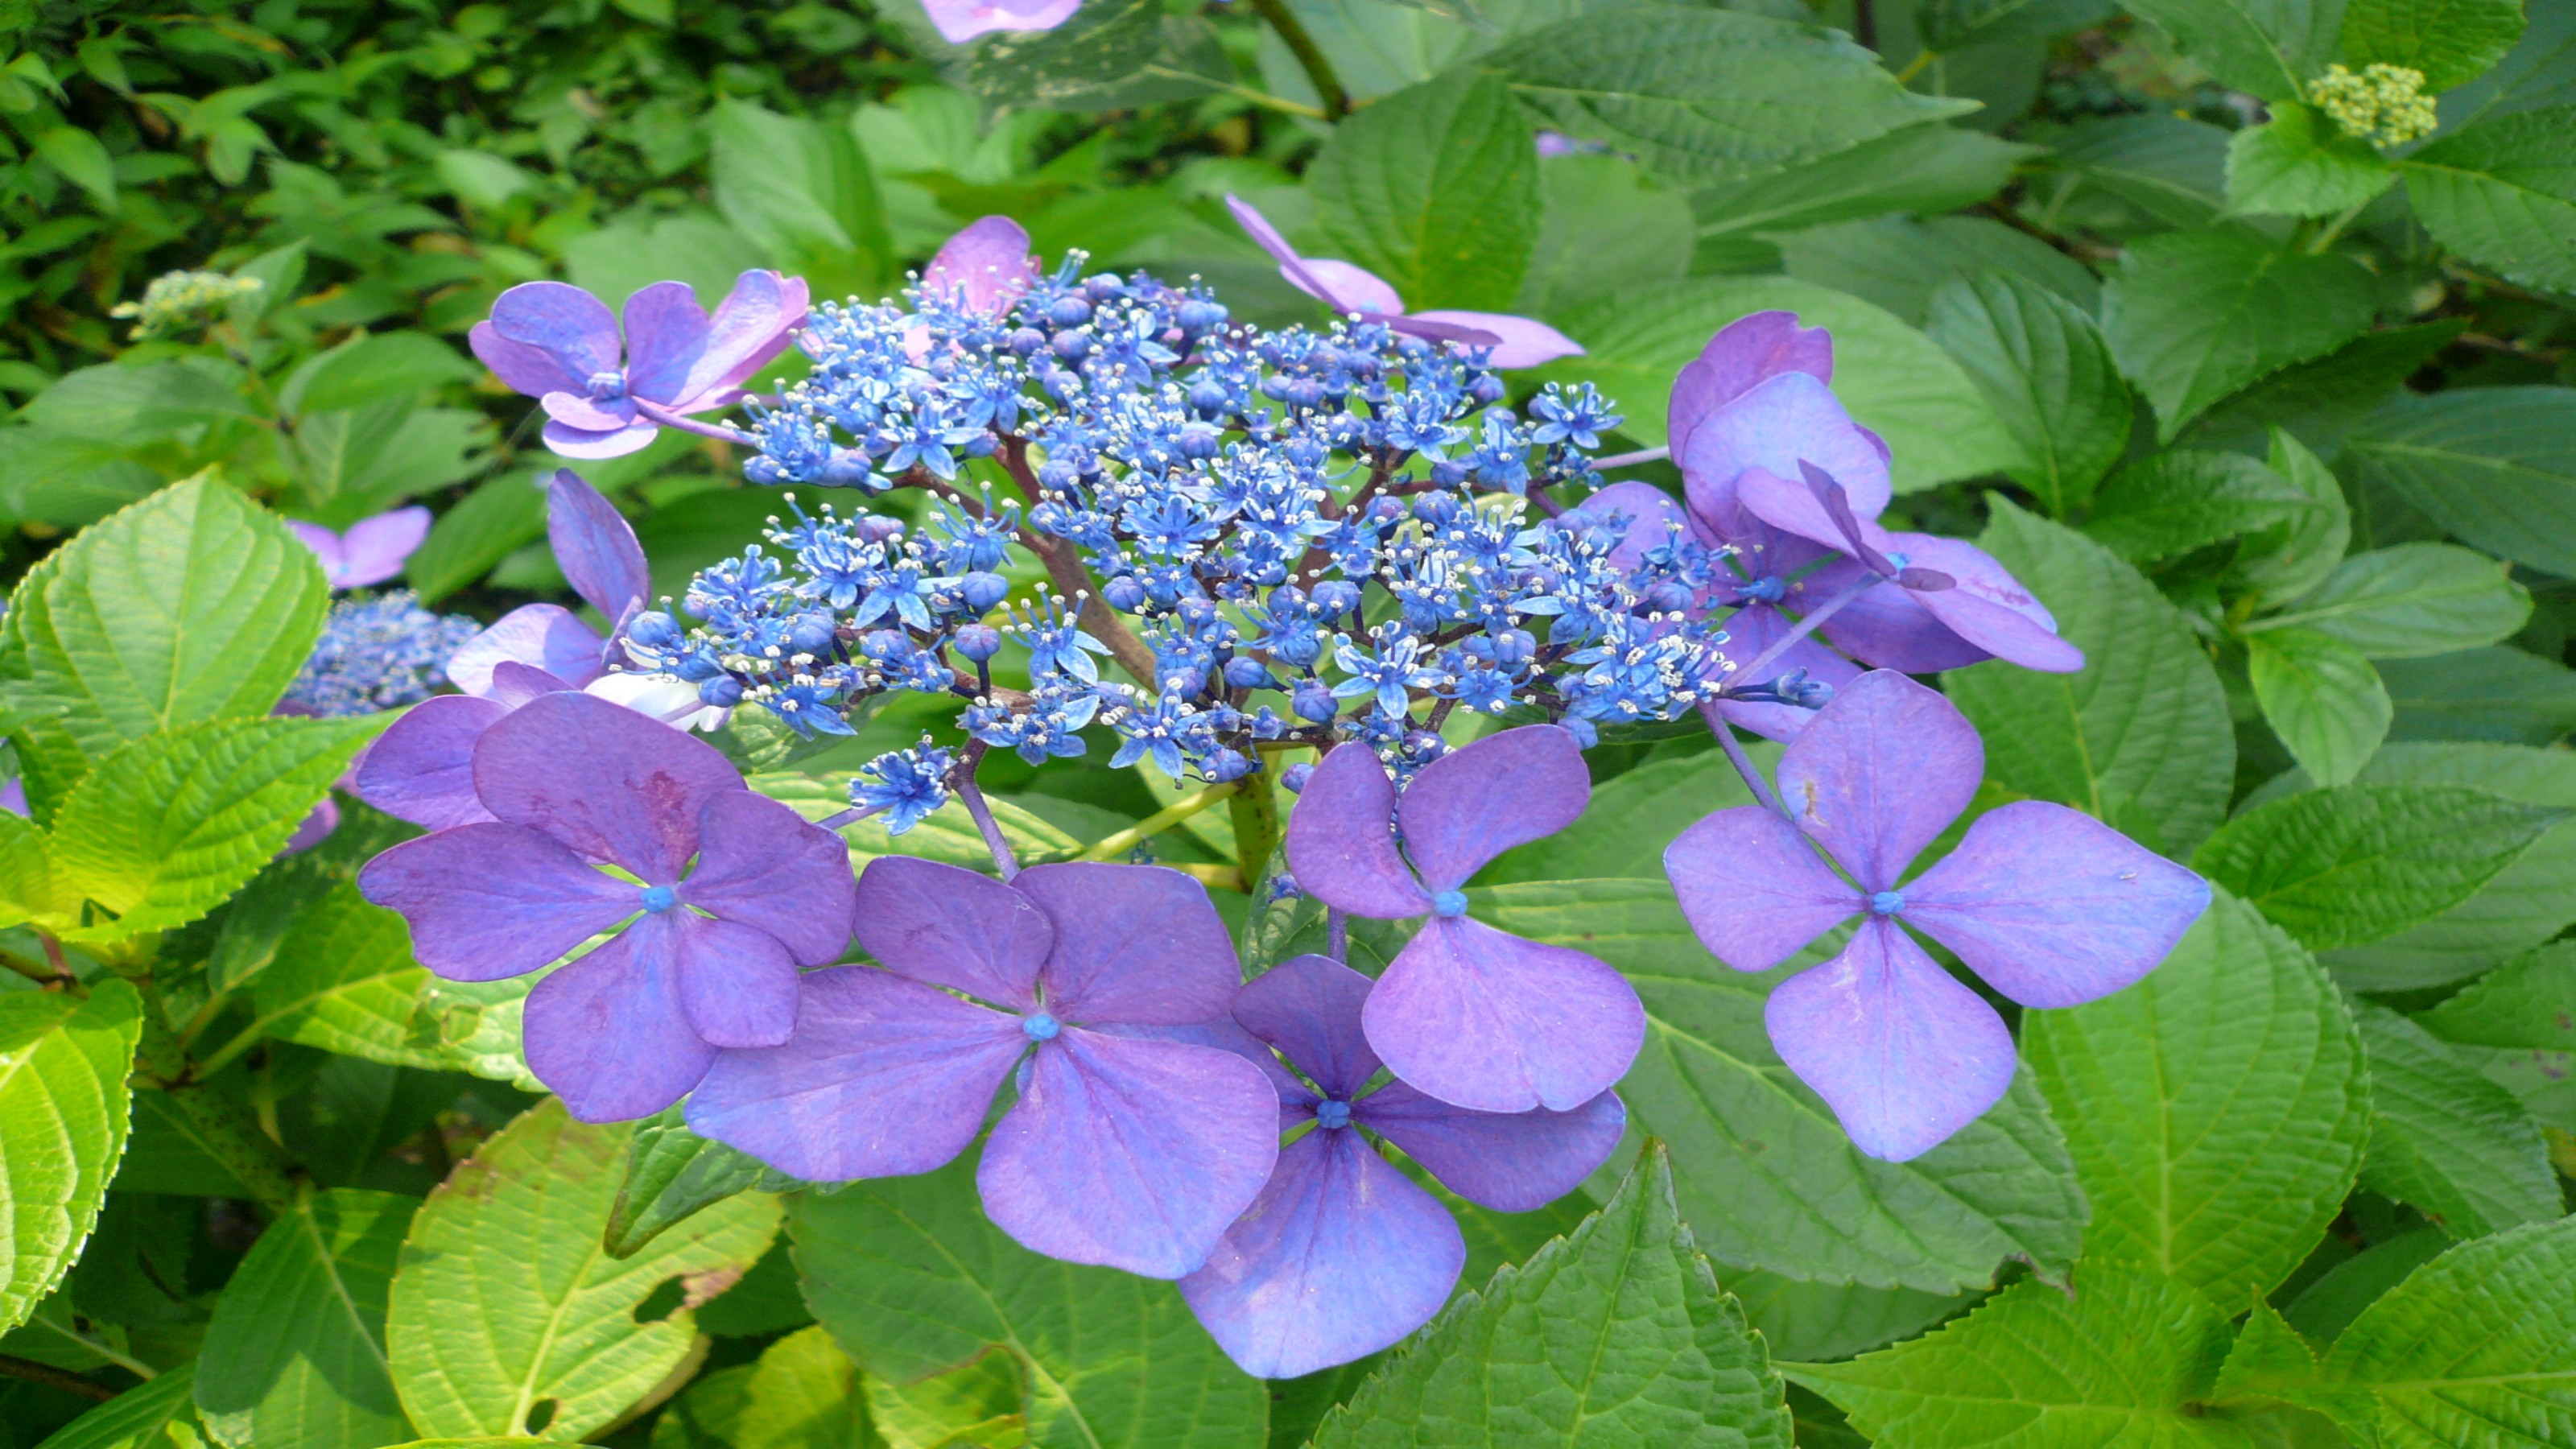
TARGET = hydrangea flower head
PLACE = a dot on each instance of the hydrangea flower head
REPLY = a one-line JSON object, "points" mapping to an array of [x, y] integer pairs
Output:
{"points": [[2049, 906], [1342, 1254], [1468, 1014], [719, 896], [607, 395], [1130, 1144], [372, 551], [377, 654]]}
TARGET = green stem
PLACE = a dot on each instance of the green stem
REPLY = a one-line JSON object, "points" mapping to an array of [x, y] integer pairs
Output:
{"points": [[1310, 56], [54, 1378], [2334, 228], [1111, 847], [1254, 807]]}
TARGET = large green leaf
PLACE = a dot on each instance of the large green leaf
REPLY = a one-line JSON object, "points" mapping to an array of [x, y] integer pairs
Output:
{"points": [[2503, 194], [2495, 693], [1435, 189], [2528, 1002], [1108, 56], [1616, 1335], [802, 190], [2166, 169], [154, 1414], [2448, 1140], [2322, 401], [160, 832], [2193, 316], [1893, 378], [2217, 1110], [804, 1394], [1632, 817], [2449, 41], [2475, 1350], [910, 1278], [2139, 737], [191, 605], [2188, 498], [2301, 164], [672, 1173], [1921, 169], [1707, 95], [295, 1356], [2043, 365], [2495, 465], [2411, 599], [2361, 863], [1898, 262], [2268, 47], [63, 1115], [1606, 226], [2322, 697], [553, 1335], [344, 980], [1767, 1178]]}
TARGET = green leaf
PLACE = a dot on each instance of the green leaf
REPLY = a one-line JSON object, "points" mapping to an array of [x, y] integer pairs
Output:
{"points": [[2268, 47], [63, 1115], [2327, 1306], [2540, 70], [1708, 1083], [2177, 501], [802, 190], [2477, 1350], [1898, 262], [2167, 169], [671, 1174], [2528, 1002], [2298, 165], [2360, 863], [146, 403], [2411, 600], [1950, 25], [515, 1232], [344, 980], [481, 179], [83, 161], [2217, 1109], [948, 836], [194, 604], [804, 1394], [167, 827], [2446, 1139], [2494, 465], [373, 367], [2320, 402], [2139, 737], [2267, 1360], [1892, 378], [2495, 693], [974, 1407], [2322, 697], [2043, 366], [2503, 194], [1616, 1335], [295, 1356], [911, 1279], [2124, 1359], [154, 1414], [1108, 56], [1606, 226], [1435, 189], [2295, 555], [2193, 316], [1709, 95], [2450, 41], [26, 873], [1921, 169]]}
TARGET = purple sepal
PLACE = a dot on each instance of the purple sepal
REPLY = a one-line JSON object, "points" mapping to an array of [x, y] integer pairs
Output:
{"points": [[595, 544], [987, 262], [372, 551], [1788, 419], [608, 1033], [737, 984], [489, 901], [1340, 840], [1880, 774], [421, 769], [1472, 804], [1746, 352], [764, 866], [604, 780], [1309, 1008], [1752, 888], [1513, 1162], [1487, 1020], [950, 926], [541, 636], [1519, 341], [1136, 944]]}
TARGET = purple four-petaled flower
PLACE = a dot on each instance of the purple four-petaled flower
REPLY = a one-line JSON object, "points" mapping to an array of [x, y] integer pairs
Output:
{"points": [[1132, 1144], [2047, 905], [1342, 1254], [372, 551], [1469, 1014], [721, 893]]}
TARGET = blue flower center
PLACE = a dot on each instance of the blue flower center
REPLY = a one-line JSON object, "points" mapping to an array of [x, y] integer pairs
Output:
{"points": [[1039, 1026], [1887, 903], [1449, 903], [1332, 1112], [658, 899], [607, 386], [1767, 590]]}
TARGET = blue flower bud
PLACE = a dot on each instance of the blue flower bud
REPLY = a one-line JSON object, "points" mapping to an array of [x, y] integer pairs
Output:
{"points": [[698, 667], [1123, 593], [1223, 764], [1201, 315], [1026, 340], [1104, 286], [1069, 311], [978, 642], [1207, 399], [1313, 702], [1337, 596], [1294, 778], [1072, 346], [982, 590], [724, 691], [1056, 474], [1486, 390], [1514, 647], [655, 630], [1245, 672], [810, 634]]}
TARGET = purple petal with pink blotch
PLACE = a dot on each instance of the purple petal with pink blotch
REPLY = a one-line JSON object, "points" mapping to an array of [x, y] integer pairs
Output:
{"points": [[950, 926], [421, 769], [960, 21], [884, 1077], [666, 331], [541, 636], [1309, 1008], [313, 829], [2053, 907], [1745, 353], [1339, 1257], [608, 1032], [1481, 1019], [376, 548], [1347, 288], [1130, 1153], [1651, 514], [1752, 630], [1882, 770], [1472, 804], [1788, 419], [612, 784], [989, 259], [568, 324], [1341, 842], [737, 984], [1137, 944], [751, 328], [591, 415], [490, 901], [567, 441], [1512, 1162], [596, 546], [1903, 1053], [1526, 341], [1752, 888], [762, 865], [528, 371]]}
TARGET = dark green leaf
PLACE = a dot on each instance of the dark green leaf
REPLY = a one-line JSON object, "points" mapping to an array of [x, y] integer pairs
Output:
{"points": [[2495, 465], [2320, 402], [2527, 1002], [143, 1417], [2170, 169], [2497, 693], [1898, 262], [1435, 189], [2411, 600], [295, 1357], [139, 404], [373, 367], [802, 190], [2043, 365], [2268, 47], [2300, 164], [2195, 316], [2449, 41], [2503, 194], [500, 516], [672, 1173], [2185, 499], [2295, 555], [1606, 226], [1922, 169], [2477, 1350], [2446, 1139], [1121, 53], [1951, 25]]}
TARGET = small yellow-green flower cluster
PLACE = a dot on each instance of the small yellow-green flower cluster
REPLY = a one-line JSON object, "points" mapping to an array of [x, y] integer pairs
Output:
{"points": [[177, 298], [2384, 105]]}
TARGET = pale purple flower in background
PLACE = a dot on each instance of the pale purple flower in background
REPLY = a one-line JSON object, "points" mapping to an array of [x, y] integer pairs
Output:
{"points": [[605, 396], [1130, 1145], [13, 795], [2049, 906], [372, 551], [1516, 341], [960, 21], [1471, 1015], [1342, 1254], [986, 266], [736, 892]]}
